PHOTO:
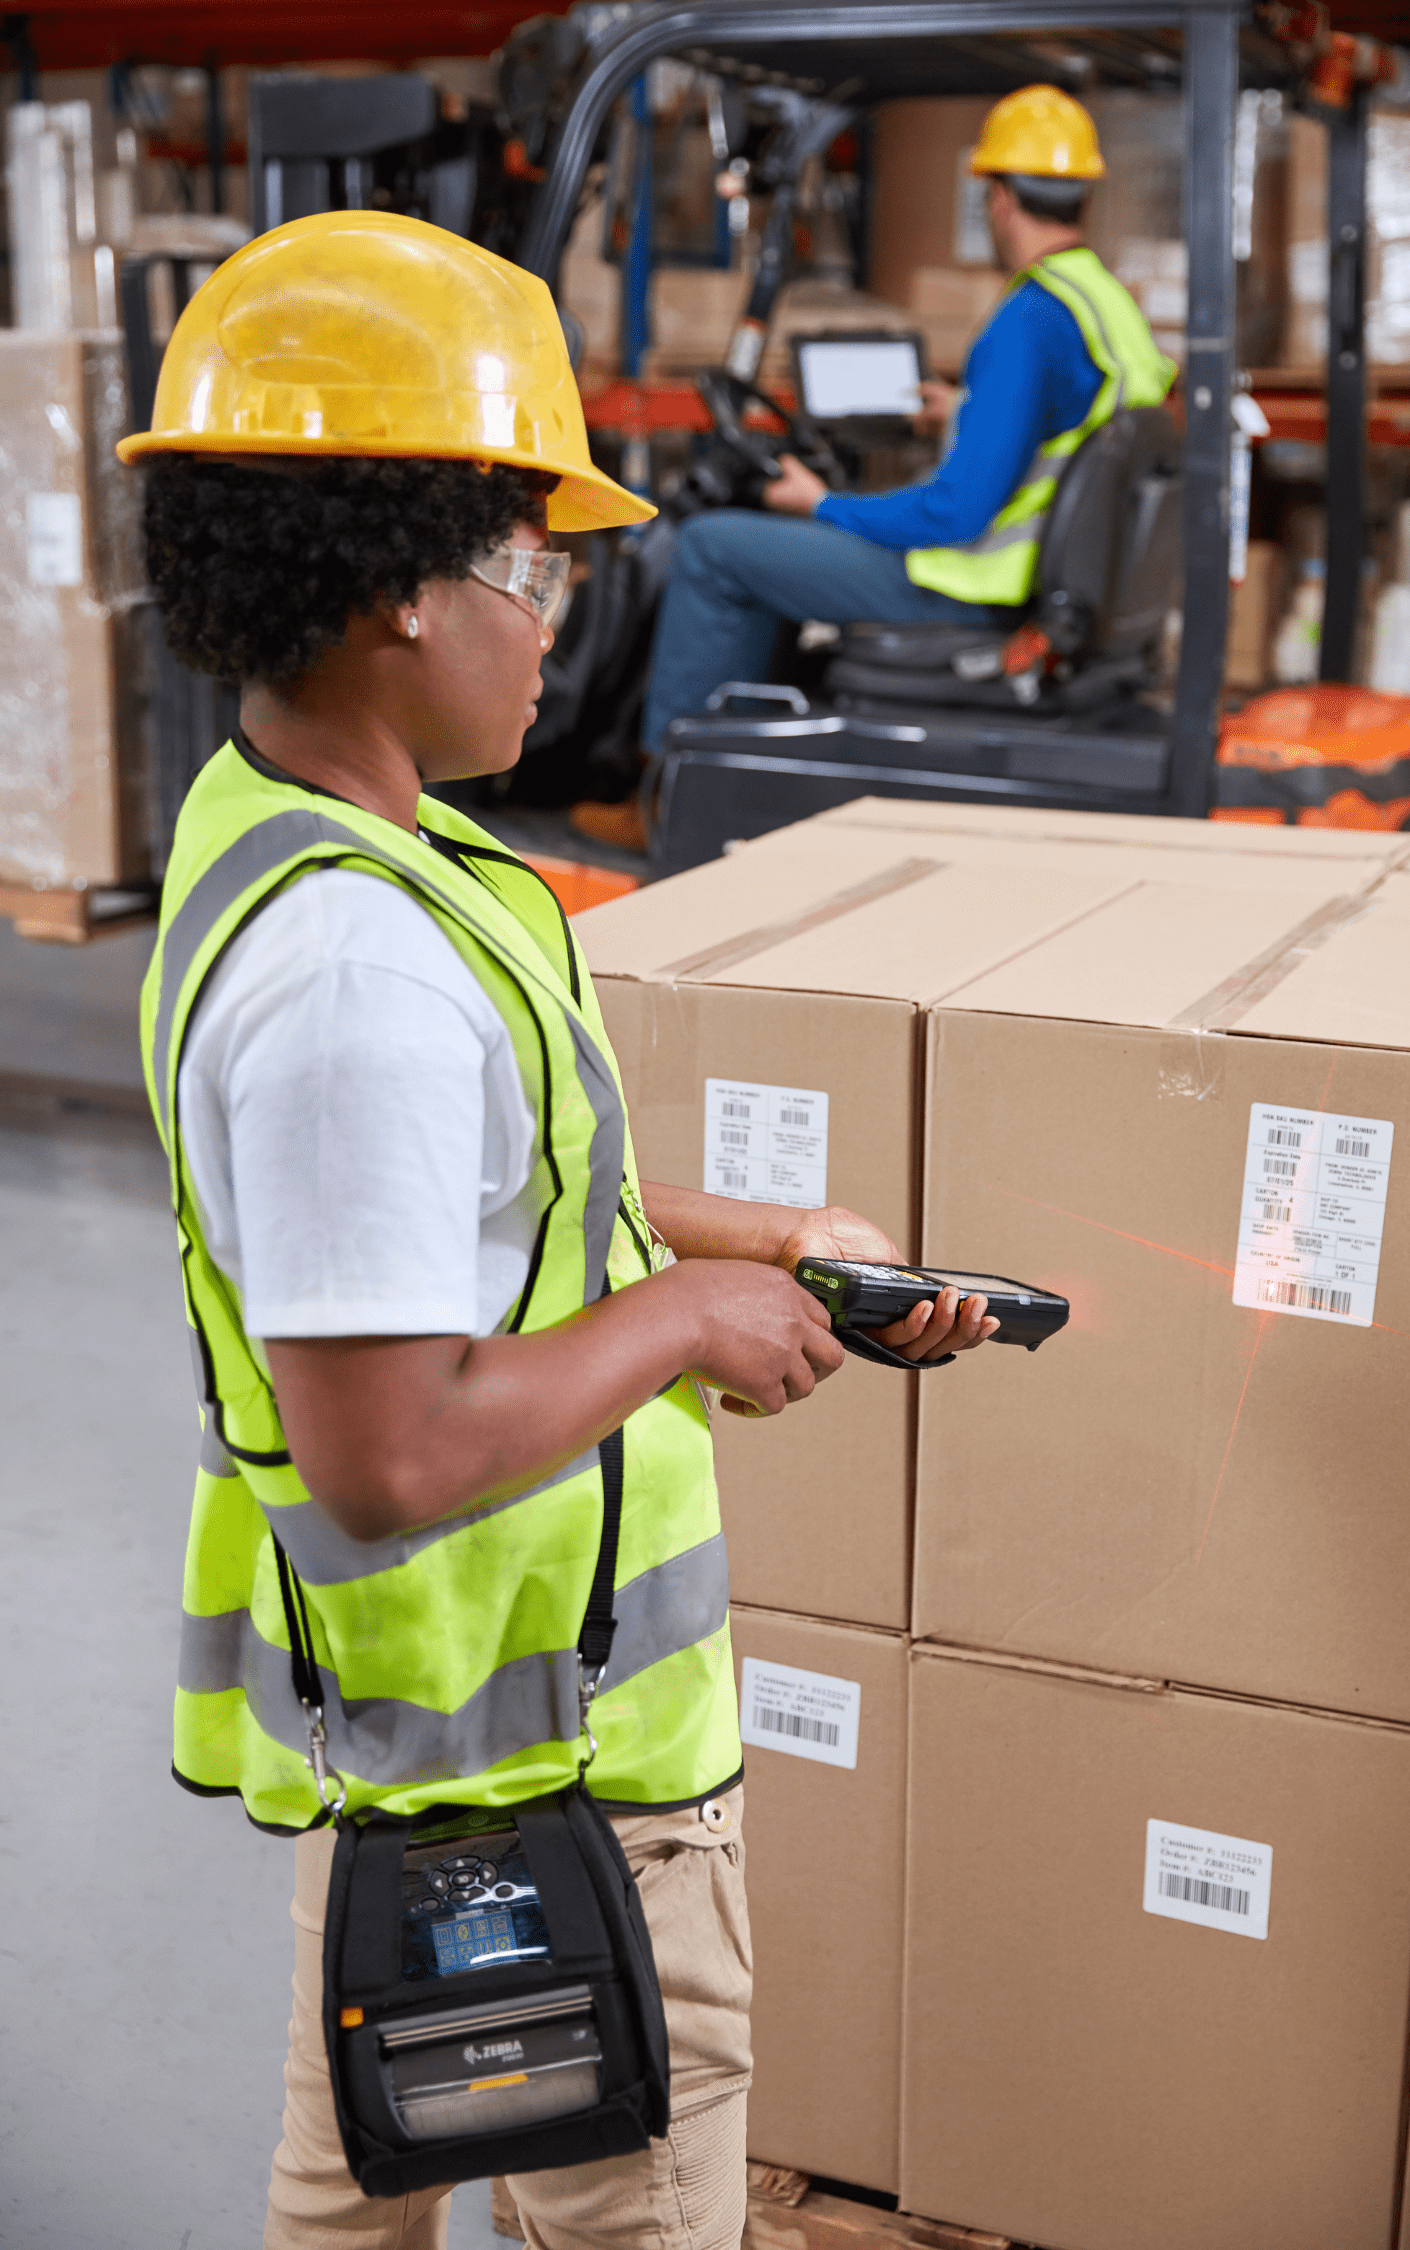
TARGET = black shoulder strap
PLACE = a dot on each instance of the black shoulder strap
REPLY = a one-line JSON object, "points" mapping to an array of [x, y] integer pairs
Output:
{"points": [[599, 1625]]}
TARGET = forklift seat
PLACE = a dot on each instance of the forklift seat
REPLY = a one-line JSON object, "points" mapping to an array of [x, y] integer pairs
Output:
{"points": [[1109, 570]]}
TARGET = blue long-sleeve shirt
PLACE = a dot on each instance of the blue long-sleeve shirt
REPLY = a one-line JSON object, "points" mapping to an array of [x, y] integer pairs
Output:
{"points": [[1029, 376]]}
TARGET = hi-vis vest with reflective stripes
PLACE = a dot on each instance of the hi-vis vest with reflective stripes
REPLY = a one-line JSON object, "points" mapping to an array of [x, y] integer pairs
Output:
{"points": [[1002, 563], [448, 1656]]}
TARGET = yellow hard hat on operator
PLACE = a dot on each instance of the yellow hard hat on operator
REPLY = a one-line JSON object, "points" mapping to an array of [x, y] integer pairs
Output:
{"points": [[1042, 133], [362, 332]]}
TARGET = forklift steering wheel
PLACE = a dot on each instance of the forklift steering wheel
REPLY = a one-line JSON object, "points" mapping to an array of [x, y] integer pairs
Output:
{"points": [[726, 397]]}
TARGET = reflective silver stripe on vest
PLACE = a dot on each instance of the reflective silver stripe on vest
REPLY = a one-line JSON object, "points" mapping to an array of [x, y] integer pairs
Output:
{"points": [[1117, 365], [214, 1459], [532, 1700], [325, 1556], [606, 1160], [1012, 535], [262, 851]]}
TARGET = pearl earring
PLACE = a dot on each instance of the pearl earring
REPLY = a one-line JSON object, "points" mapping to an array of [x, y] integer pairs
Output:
{"points": [[412, 628]]}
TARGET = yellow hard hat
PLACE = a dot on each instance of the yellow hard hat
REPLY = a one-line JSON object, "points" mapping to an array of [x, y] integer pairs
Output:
{"points": [[1041, 132], [362, 332]]}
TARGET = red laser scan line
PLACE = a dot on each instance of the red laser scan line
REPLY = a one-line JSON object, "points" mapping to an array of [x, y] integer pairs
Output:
{"points": [[1141, 1240], [1263, 1320]]}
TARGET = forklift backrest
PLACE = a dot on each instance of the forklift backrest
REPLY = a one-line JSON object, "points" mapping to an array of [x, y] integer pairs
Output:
{"points": [[1111, 550]]}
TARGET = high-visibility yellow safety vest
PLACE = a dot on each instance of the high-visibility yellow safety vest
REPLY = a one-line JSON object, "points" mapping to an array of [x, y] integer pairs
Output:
{"points": [[1002, 563], [448, 1656]]}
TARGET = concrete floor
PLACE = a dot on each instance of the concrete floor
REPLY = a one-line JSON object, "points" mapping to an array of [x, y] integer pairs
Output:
{"points": [[144, 1936]]}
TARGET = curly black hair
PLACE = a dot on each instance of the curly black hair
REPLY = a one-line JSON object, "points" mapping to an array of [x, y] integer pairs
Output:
{"points": [[257, 570]]}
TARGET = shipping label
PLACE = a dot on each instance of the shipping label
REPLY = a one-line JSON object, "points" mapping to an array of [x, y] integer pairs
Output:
{"points": [[766, 1144], [1313, 1213], [1221, 1882], [54, 532], [808, 1714]]}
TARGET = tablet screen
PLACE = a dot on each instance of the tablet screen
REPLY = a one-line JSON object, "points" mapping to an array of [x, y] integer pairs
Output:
{"points": [[873, 375]]}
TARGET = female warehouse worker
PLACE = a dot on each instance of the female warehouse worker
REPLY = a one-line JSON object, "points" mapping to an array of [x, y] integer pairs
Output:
{"points": [[419, 1269]]}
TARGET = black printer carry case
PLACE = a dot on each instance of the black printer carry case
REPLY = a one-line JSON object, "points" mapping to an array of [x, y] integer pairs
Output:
{"points": [[490, 1998]]}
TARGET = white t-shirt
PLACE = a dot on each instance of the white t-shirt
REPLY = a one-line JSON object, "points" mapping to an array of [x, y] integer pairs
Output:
{"points": [[355, 1123]]}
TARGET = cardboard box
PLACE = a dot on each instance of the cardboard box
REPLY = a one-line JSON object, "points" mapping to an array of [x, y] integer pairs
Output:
{"points": [[1254, 609], [951, 304], [74, 753], [1085, 2073], [921, 190], [803, 963], [820, 1838], [1202, 1479], [693, 312]]}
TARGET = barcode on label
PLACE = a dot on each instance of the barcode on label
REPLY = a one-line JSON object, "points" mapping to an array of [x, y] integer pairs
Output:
{"points": [[793, 1722], [736, 1109], [734, 1136], [1281, 1167], [795, 1117], [1353, 1148], [1308, 1296], [1282, 1136], [1280, 1213], [1222, 1897], [734, 1179]]}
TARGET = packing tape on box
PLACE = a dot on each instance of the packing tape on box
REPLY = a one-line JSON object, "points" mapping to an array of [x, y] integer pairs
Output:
{"points": [[713, 958], [1229, 1001]]}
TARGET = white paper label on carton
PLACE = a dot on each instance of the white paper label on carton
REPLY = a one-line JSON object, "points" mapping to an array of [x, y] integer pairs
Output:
{"points": [[54, 527], [766, 1144], [1221, 1882], [1313, 1213], [808, 1714]]}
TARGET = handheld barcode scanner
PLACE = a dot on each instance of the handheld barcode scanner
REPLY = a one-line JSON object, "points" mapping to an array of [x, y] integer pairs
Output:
{"points": [[861, 1297]]}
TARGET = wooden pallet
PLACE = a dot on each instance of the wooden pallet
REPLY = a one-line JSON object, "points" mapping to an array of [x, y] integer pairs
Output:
{"points": [[786, 2212], [70, 917]]}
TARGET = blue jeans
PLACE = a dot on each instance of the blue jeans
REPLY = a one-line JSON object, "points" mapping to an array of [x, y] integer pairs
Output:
{"points": [[734, 575]]}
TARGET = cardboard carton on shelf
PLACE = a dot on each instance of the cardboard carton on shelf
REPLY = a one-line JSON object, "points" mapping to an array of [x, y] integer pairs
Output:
{"points": [[693, 313], [74, 753], [591, 289], [1102, 2049], [767, 1013], [951, 304], [1387, 254], [1254, 609], [1186, 1112], [926, 208], [824, 1830]]}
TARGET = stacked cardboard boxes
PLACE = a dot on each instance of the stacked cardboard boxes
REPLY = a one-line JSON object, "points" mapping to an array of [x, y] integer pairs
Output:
{"points": [[75, 750], [1388, 243], [1144, 1588]]}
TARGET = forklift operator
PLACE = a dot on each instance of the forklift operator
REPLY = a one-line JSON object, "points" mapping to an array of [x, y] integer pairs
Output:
{"points": [[1065, 348]]}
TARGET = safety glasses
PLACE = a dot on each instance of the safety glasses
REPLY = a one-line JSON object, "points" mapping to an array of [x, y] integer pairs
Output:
{"points": [[535, 576]]}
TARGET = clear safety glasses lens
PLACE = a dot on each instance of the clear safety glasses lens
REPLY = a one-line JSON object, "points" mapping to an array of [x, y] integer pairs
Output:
{"points": [[535, 575]]}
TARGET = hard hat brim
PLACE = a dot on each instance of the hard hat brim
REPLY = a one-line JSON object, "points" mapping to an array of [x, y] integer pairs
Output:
{"points": [[584, 499], [1095, 171]]}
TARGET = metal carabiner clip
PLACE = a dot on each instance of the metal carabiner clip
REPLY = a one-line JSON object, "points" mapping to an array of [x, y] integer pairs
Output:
{"points": [[317, 1759], [589, 1681]]}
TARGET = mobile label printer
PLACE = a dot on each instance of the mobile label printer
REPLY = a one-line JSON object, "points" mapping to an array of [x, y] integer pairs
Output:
{"points": [[861, 1298]]}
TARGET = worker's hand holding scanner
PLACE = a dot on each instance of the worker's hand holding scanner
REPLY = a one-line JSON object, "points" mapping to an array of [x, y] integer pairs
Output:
{"points": [[389, 1433]]}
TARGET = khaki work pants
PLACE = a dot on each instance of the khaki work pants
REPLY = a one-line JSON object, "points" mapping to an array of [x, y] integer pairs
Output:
{"points": [[685, 2192]]}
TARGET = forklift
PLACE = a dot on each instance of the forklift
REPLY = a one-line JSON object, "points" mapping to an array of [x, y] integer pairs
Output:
{"points": [[1055, 716]]}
